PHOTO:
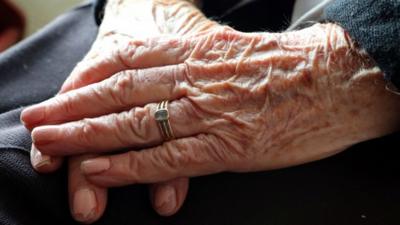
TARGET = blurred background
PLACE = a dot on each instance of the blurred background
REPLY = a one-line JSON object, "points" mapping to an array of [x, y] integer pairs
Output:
{"points": [[21, 18]]}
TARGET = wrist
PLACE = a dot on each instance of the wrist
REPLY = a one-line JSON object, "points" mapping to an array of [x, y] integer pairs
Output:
{"points": [[335, 87], [369, 110]]}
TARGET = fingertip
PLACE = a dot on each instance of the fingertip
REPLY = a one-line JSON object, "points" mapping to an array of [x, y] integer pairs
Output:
{"points": [[65, 88], [79, 77], [44, 163], [86, 205], [47, 140], [165, 200], [53, 166], [32, 115], [87, 201], [168, 197]]}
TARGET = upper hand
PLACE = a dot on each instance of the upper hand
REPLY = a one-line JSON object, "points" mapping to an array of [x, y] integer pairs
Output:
{"points": [[239, 102]]}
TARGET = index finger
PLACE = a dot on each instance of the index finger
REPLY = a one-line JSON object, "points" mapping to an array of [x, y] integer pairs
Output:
{"points": [[133, 54], [120, 92]]}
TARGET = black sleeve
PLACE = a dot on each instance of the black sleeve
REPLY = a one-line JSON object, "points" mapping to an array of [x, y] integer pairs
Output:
{"points": [[375, 25], [99, 10]]}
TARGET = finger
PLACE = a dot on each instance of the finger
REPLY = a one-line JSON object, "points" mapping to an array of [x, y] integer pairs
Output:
{"points": [[87, 201], [44, 163], [136, 54], [187, 157], [136, 128], [168, 197], [115, 94]]}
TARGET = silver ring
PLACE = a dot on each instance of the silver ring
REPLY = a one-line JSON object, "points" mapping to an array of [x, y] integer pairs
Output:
{"points": [[162, 118]]}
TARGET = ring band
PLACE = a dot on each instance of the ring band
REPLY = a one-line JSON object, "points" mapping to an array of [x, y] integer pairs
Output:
{"points": [[162, 118]]}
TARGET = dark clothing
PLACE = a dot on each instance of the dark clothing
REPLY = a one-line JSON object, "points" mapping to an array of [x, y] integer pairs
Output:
{"points": [[375, 25], [358, 187]]}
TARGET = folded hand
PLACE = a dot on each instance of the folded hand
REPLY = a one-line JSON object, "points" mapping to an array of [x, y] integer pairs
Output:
{"points": [[238, 102], [124, 21]]}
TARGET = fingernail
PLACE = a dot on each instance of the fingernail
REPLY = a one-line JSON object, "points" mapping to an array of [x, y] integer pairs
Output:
{"points": [[94, 166], [45, 135], [33, 115], [84, 205], [38, 159], [165, 199]]}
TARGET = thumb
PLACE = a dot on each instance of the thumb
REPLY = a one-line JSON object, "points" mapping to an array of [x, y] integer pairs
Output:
{"points": [[87, 201], [168, 197]]}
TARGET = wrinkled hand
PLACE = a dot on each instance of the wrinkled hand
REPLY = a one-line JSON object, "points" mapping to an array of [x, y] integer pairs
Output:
{"points": [[123, 22], [239, 102]]}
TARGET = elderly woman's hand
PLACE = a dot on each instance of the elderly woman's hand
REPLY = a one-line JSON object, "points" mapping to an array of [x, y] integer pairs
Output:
{"points": [[123, 21], [238, 102]]}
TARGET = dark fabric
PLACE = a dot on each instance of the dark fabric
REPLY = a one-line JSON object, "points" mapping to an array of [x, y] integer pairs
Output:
{"points": [[358, 187], [99, 6], [30, 72], [235, 13], [375, 25], [264, 16]]}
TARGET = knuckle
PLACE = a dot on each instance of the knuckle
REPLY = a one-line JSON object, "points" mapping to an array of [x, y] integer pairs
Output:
{"points": [[119, 130], [135, 167], [120, 88], [127, 52], [177, 155], [66, 104], [98, 94], [176, 48], [85, 131], [139, 127], [178, 82], [186, 76]]}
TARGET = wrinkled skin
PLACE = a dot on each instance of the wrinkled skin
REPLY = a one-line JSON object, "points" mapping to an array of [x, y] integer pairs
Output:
{"points": [[238, 102], [125, 20]]}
